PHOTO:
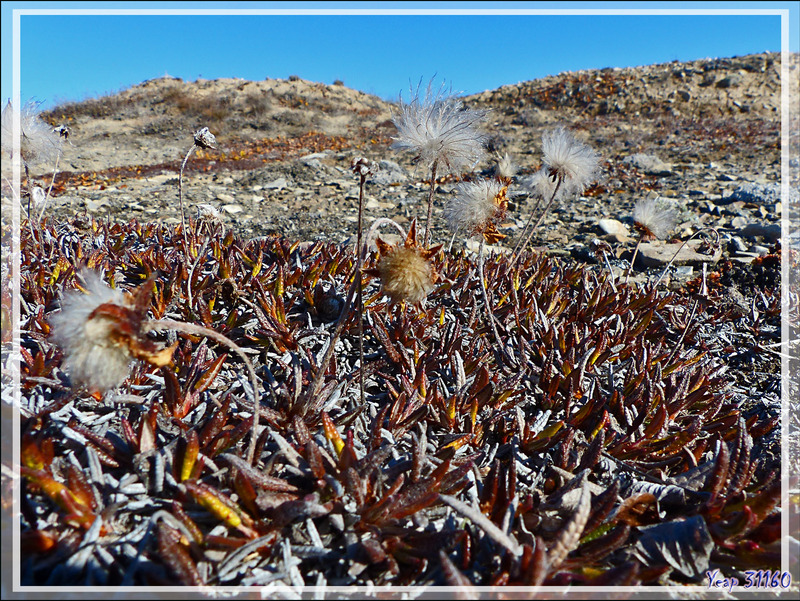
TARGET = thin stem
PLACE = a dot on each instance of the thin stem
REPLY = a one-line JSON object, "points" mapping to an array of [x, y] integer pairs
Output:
{"points": [[527, 239], [30, 199], [360, 285], [50, 189], [683, 334], [196, 330], [180, 190], [316, 384], [430, 203], [527, 225], [633, 258], [672, 260], [489, 315]]}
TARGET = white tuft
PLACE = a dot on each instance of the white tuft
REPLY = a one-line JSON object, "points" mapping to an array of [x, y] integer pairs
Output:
{"points": [[91, 357], [473, 207], [565, 158], [655, 217], [438, 129], [39, 143], [505, 167]]}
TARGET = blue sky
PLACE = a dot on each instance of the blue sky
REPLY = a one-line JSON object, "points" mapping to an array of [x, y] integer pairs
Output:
{"points": [[73, 57]]}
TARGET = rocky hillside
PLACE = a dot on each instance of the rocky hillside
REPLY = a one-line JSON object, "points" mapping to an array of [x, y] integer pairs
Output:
{"points": [[704, 134]]}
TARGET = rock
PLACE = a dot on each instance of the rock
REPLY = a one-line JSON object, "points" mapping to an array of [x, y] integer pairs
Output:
{"points": [[232, 209], [277, 184], [730, 81], [475, 246], [649, 164], [655, 254], [761, 194], [771, 232], [613, 227], [223, 197]]}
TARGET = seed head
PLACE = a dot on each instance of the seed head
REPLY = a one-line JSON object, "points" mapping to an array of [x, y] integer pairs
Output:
{"points": [[542, 184], [477, 208], [100, 331], [40, 144], [505, 168], [405, 272], [438, 129], [203, 138], [209, 213], [363, 167], [654, 218], [569, 160]]}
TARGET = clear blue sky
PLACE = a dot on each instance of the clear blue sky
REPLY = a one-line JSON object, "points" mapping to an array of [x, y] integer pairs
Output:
{"points": [[72, 57]]}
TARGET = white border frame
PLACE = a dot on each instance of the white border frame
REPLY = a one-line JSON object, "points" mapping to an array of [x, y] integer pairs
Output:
{"points": [[397, 591]]}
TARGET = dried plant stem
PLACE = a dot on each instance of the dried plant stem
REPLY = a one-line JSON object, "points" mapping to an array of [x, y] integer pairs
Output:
{"points": [[489, 315], [430, 204], [683, 334], [196, 330], [484, 524], [180, 189], [527, 225], [30, 200], [50, 188], [675, 256], [633, 258], [360, 288], [316, 384], [515, 254]]}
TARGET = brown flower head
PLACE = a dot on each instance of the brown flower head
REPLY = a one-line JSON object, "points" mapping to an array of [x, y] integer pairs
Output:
{"points": [[405, 272], [102, 330]]}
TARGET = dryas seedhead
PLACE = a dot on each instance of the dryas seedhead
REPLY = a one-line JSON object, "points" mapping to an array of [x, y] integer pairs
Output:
{"points": [[440, 131], [405, 271], [654, 218], [477, 208], [101, 331]]}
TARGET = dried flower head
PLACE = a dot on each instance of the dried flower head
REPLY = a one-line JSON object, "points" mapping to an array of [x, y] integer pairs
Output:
{"points": [[101, 332], [363, 167], [208, 212], [439, 130], [203, 138], [654, 218], [477, 208], [405, 272], [40, 144], [569, 160]]}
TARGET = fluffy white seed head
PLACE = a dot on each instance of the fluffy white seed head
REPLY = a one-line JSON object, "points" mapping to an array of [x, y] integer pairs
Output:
{"points": [[92, 356], [565, 158], [474, 206], [208, 212], [654, 217], [438, 129], [542, 185], [39, 143], [505, 168]]}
